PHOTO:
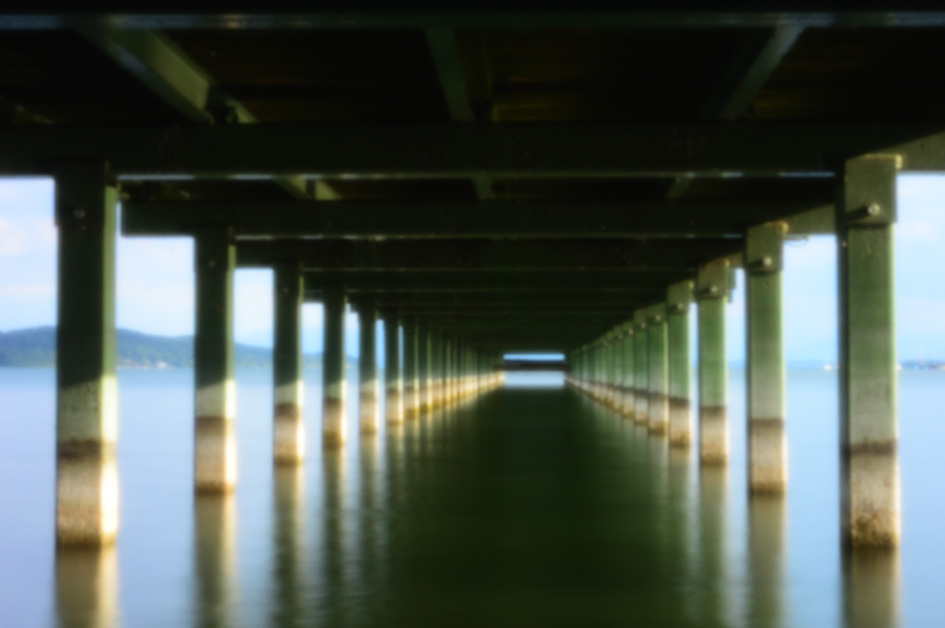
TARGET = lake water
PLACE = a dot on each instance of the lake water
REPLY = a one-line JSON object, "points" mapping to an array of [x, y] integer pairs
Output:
{"points": [[530, 506]]}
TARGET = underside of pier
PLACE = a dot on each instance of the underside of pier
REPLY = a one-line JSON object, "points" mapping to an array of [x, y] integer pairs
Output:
{"points": [[492, 180]]}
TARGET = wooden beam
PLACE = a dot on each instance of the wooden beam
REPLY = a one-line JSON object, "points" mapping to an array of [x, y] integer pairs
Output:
{"points": [[432, 219], [282, 14], [742, 81], [159, 64], [444, 49], [748, 73], [499, 150]]}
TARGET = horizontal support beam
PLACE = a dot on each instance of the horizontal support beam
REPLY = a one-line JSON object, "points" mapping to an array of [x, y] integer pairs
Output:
{"points": [[464, 150], [556, 300], [472, 255], [457, 219], [525, 366], [591, 283], [468, 15]]}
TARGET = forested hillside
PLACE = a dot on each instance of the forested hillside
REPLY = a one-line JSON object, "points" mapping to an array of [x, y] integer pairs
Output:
{"points": [[37, 347]]}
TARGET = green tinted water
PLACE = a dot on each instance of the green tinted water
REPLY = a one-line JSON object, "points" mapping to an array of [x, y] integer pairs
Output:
{"points": [[529, 506]]}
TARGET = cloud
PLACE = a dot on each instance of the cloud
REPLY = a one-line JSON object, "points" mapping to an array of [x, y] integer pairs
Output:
{"points": [[13, 239], [45, 289], [918, 231]]}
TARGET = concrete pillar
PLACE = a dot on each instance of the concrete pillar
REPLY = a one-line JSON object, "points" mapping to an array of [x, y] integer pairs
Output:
{"points": [[288, 440], [658, 382], [600, 378], [425, 367], [641, 363], [628, 401], [712, 286], [86, 388], [767, 374], [392, 377], [215, 446], [615, 378], [368, 410], [447, 368], [680, 368], [333, 369], [451, 348], [869, 422], [411, 376], [436, 386]]}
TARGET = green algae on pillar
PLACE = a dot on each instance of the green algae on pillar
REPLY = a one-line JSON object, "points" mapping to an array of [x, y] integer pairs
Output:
{"points": [[712, 287], [289, 427], [869, 423], [641, 364], [615, 378], [436, 369], [628, 401], [215, 446], [333, 368], [679, 297], [657, 384], [394, 383], [425, 367], [367, 367], [411, 375], [86, 389], [767, 373]]}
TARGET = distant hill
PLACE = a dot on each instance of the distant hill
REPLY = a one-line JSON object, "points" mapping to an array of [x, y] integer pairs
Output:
{"points": [[37, 347]]}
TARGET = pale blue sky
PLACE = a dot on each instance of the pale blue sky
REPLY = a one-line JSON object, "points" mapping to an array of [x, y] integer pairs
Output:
{"points": [[155, 280]]}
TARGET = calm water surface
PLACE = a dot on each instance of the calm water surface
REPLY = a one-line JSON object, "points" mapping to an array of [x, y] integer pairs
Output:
{"points": [[529, 506]]}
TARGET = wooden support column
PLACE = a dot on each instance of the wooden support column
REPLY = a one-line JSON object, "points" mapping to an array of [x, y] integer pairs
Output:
{"points": [[658, 383], [367, 367], [869, 422], [712, 286], [767, 373], [289, 384], [215, 446], [86, 388], [394, 387], [642, 364], [334, 421], [679, 297]]}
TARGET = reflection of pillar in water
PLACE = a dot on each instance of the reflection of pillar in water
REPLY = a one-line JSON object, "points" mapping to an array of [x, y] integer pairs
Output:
{"points": [[289, 546], [683, 523], [333, 537], [86, 587], [767, 515], [713, 505], [215, 559], [370, 524], [871, 588]]}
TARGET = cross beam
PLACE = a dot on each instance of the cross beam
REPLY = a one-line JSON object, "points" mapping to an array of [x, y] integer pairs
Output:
{"points": [[467, 150], [458, 219], [473, 255], [685, 14], [593, 284]]}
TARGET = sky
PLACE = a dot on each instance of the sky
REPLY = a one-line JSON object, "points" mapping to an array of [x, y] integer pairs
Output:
{"points": [[155, 280]]}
